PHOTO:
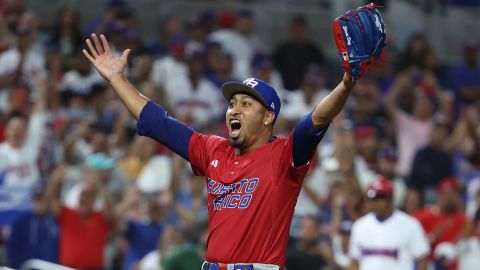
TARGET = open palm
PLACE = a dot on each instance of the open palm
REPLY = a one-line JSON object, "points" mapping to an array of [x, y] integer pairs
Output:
{"points": [[104, 61]]}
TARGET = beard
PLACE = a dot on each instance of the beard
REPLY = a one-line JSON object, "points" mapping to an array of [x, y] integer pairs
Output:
{"points": [[237, 143]]}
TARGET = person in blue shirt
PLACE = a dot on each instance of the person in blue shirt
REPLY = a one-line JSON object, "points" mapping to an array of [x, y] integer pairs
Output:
{"points": [[465, 78], [34, 234], [141, 235]]}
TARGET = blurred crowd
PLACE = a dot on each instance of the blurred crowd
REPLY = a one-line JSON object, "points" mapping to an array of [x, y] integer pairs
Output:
{"points": [[79, 187]]}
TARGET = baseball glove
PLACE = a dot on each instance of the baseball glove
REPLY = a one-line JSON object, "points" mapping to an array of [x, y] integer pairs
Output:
{"points": [[360, 36]]}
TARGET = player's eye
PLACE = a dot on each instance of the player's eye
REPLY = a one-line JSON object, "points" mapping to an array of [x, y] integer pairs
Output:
{"points": [[246, 104], [231, 105]]}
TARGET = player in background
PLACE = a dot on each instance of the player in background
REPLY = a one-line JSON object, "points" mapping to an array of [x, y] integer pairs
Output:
{"points": [[387, 238], [253, 178]]}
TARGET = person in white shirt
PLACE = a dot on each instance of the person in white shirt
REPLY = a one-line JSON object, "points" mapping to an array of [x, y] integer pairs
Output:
{"points": [[24, 63], [387, 238], [19, 155], [196, 100], [81, 77], [169, 67], [233, 42]]}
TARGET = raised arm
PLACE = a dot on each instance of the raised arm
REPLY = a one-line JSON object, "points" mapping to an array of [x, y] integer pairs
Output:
{"points": [[332, 104], [112, 69], [154, 121], [52, 195]]}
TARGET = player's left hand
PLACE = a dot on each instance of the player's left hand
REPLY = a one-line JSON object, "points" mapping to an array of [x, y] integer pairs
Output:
{"points": [[102, 58], [360, 36]]}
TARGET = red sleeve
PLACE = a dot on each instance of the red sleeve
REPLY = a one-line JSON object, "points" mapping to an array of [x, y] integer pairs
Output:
{"points": [[200, 149], [286, 161]]}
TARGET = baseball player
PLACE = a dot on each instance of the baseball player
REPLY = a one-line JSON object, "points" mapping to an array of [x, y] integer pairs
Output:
{"points": [[386, 238], [253, 178]]}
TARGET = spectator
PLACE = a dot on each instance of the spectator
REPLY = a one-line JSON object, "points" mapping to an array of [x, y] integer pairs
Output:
{"points": [[445, 222], [387, 160], [413, 131], [197, 101], [432, 163], [305, 254], [303, 101], [234, 42], [170, 34], [219, 64], [84, 231], [97, 166], [81, 77], [170, 66], [465, 78], [245, 25], [155, 175], [21, 66], [66, 38], [141, 235], [103, 23], [340, 245], [365, 109], [413, 202], [34, 234], [413, 54], [190, 255], [293, 56], [469, 247], [20, 152], [198, 31], [387, 238], [263, 69]]}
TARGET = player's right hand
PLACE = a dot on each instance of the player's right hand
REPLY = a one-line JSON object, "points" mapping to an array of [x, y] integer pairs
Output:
{"points": [[108, 65]]}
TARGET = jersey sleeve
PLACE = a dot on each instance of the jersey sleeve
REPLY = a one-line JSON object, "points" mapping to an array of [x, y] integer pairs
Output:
{"points": [[419, 246], [305, 140], [36, 133], [354, 250], [156, 123], [199, 151]]}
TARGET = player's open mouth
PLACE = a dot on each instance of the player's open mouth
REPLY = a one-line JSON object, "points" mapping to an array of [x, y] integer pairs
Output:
{"points": [[235, 127]]}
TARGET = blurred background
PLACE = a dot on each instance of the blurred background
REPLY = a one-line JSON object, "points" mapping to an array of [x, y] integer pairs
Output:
{"points": [[79, 187]]}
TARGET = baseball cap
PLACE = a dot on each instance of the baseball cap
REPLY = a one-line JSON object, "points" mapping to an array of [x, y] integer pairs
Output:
{"points": [[100, 161], [448, 183], [258, 89], [380, 187]]}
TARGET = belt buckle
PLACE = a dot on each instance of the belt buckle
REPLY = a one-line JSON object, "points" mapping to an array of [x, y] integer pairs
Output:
{"points": [[242, 267], [213, 266]]}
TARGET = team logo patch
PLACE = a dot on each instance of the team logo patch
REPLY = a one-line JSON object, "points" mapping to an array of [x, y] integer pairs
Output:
{"points": [[250, 82], [214, 163]]}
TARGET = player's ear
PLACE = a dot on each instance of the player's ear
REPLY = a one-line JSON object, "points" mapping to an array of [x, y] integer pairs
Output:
{"points": [[268, 118]]}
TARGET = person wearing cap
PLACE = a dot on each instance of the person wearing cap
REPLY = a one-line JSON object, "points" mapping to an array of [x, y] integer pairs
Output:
{"points": [[445, 221], [253, 178], [387, 238], [234, 42]]}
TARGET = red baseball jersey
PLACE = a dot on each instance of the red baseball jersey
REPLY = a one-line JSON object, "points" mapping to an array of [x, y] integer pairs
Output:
{"points": [[251, 198]]}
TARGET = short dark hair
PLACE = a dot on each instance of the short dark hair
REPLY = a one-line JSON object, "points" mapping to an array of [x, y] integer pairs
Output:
{"points": [[15, 114]]}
